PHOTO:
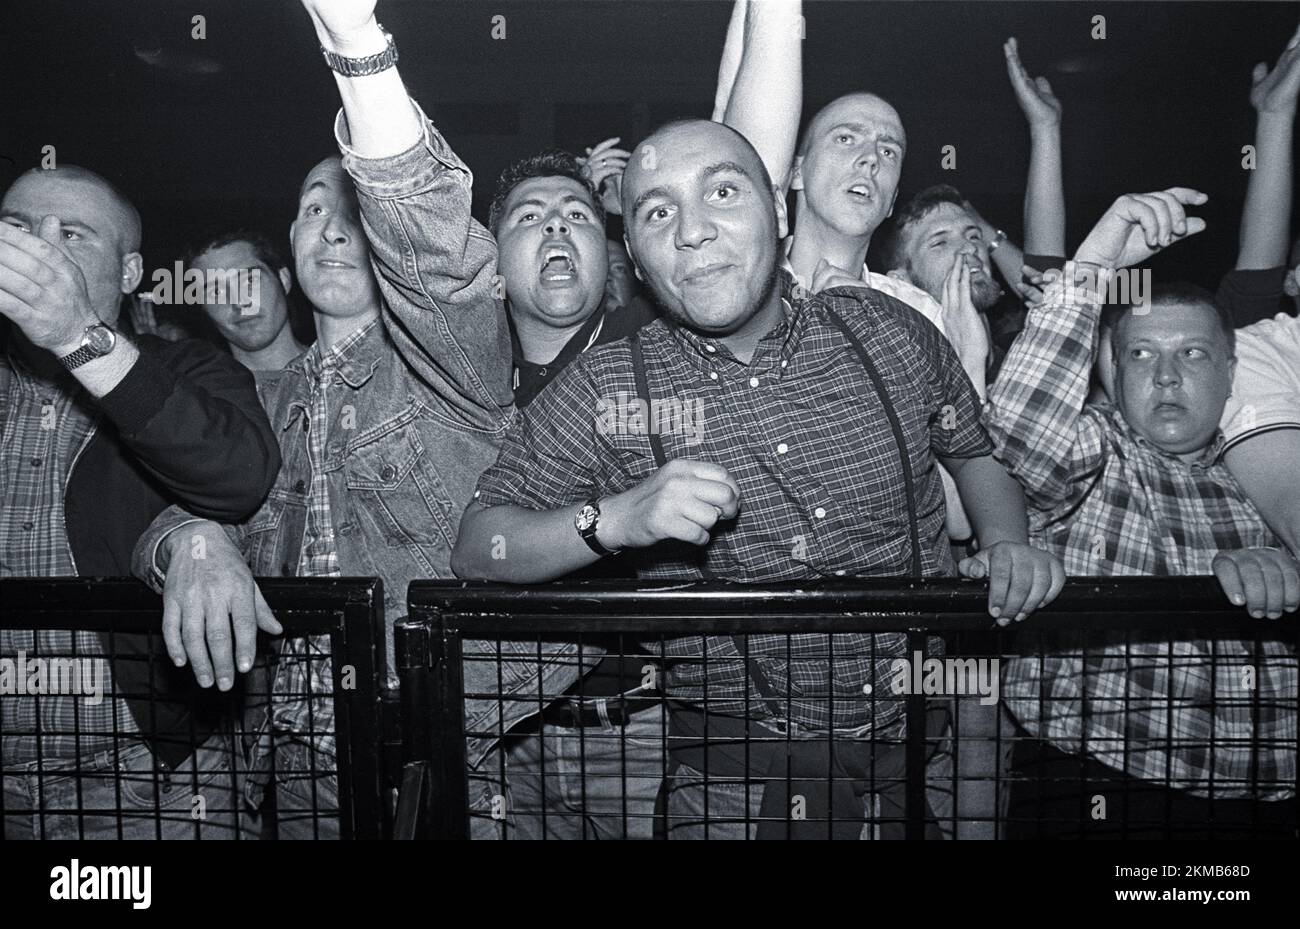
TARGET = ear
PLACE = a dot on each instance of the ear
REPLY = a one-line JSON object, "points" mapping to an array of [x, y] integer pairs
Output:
{"points": [[636, 265], [286, 280], [796, 173], [893, 200], [132, 271], [782, 218]]}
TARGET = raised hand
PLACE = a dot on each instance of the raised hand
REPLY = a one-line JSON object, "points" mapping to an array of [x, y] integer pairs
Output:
{"points": [[1138, 225], [1276, 91], [340, 20], [682, 500], [604, 166], [1034, 95]]}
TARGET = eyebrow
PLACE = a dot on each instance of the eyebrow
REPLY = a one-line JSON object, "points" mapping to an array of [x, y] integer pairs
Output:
{"points": [[887, 135], [721, 167], [533, 201]]}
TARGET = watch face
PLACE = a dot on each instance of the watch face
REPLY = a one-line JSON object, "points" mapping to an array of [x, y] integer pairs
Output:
{"points": [[99, 339], [586, 518]]}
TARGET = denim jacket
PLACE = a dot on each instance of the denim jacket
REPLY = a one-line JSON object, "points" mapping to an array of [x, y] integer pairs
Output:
{"points": [[419, 409]]}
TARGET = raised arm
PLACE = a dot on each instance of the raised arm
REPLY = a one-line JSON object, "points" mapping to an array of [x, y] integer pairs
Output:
{"points": [[1266, 218], [1045, 190], [760, 82], [437, 267]]}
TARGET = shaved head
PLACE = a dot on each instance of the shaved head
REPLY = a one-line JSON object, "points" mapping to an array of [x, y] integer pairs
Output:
{"points": [[837, 107], [127, 218]]}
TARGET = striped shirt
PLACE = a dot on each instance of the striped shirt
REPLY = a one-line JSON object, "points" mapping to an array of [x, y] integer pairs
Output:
{"points": [[44, 426], [1108, 502], [805, 436]]}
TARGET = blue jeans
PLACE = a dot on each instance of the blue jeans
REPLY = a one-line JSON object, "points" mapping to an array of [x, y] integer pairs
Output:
{"points": [[600, 782], [125, 795]]}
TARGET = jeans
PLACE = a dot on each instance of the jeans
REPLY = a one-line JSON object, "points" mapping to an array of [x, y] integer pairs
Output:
{"points": [[600, 782], [125, 794], [306, 792]]}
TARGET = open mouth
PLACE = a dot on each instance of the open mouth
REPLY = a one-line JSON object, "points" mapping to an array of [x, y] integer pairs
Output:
{"points": [[557, 265], [334, 264], [864, 192]]}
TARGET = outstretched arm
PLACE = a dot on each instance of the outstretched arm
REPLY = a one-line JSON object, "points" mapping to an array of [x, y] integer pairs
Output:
{"points": [[760, 82], [1266, 218], [1045, 191]]}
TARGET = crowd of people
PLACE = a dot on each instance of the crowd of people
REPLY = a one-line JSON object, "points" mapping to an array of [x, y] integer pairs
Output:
{"points": [[969, 407]]}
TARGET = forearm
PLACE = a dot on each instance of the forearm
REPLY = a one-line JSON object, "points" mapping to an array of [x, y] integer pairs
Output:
{"points": [[380, 118], [993, 500], [732, 50], [518, 545], [1010, 262], [1264, 465], [1044, 194], [1266, 217], [101, 375], [766, 98]]}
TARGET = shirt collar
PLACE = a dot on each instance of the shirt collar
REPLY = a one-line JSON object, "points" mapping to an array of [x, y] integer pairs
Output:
{"points": [[794, 300], [355, 357], [786, 247], [1208, 457]]}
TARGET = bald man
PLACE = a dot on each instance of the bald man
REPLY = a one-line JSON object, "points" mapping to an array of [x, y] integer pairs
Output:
{"points": [[789, 471], [98, 434]]}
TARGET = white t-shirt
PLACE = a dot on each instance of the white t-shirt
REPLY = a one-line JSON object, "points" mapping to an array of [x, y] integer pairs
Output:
{"points": [[1266, 387]]}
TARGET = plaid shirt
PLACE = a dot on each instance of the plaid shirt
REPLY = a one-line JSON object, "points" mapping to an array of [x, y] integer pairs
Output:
{"points": [[1108, 502], [804, 435], [304, 685], [43, 429]]}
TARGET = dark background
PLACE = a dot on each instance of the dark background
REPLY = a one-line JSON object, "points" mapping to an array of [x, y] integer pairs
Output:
{"points": [[223, 129]]}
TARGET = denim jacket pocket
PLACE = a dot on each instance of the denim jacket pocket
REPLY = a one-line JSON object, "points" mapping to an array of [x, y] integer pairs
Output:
{"points": [[393, 481]]}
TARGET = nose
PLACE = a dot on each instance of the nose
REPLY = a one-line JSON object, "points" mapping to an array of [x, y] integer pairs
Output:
{"points": [[1166, 372], [555, 226], [867, 158], [694, 227], [335, 231]]}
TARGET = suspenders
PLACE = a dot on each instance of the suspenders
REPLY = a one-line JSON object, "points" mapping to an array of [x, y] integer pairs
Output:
{"points": [[759, 679]]}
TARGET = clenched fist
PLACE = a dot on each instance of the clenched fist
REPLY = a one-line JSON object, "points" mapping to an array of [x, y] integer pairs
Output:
{"points": [[683, 500]]}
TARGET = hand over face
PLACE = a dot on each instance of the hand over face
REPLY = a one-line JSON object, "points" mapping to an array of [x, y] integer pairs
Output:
{"points": [[41, 289], [962, 322]]}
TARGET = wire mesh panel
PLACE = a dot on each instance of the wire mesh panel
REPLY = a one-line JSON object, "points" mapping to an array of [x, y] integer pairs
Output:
{"points": [[101, 736], [871, 710]]}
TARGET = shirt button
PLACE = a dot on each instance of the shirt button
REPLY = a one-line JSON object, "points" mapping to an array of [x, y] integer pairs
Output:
{"points": [[284, 569], [710, 349], [820, 512], [840, 573], [29, 526], [36, 462], [753, 382], [300, 487], [713, 375], [866, 688], [782, 449], [785, 364], [541, 372], [388, 473]]}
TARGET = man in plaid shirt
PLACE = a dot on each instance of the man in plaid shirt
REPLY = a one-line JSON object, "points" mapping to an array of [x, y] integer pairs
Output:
{"points": [[1134, 489], [787, 462]]}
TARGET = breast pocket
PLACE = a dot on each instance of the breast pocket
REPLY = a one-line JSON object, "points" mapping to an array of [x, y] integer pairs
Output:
{"points": [[395, 485]]}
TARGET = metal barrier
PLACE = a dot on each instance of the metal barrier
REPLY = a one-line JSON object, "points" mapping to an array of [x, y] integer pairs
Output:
{"points": [[449, 622], [120, 620]]}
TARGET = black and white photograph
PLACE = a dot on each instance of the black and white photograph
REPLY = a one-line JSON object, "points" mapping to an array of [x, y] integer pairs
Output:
{"points": [[649, 420]]}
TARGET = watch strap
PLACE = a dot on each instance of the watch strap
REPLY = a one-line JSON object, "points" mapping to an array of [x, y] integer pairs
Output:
{"points": [[366, 66]]}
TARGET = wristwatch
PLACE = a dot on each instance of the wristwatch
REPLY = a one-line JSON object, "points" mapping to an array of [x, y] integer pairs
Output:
{"points": [[363, 67], [587, 522], [97, 342]]}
